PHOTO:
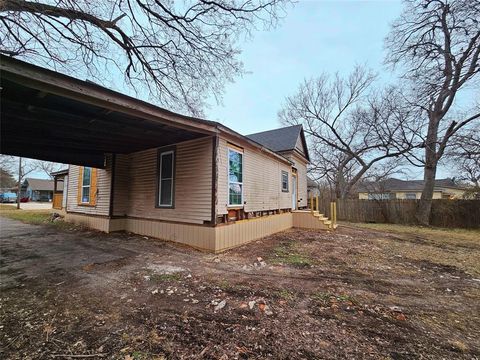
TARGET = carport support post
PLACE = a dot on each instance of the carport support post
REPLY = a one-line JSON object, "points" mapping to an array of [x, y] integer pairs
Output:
{"points": [[19, 181]]}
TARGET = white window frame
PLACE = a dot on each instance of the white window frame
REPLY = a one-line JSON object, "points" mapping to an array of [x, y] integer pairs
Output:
{"points": [[283, 172], [234, 182], [89, 186], [172, 187]]}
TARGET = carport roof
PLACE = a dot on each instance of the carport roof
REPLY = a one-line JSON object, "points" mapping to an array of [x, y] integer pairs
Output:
{"points": [[50, 116]]}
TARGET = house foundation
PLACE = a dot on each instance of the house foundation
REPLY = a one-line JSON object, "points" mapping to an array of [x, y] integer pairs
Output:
{"points": [[204, 237]]}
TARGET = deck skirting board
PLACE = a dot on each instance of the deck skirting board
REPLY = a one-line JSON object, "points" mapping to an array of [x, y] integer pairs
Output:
{"points": [[213, 239]]}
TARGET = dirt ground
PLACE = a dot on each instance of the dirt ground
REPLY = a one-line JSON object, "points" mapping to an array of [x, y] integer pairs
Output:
{"points": [[355, 293]]}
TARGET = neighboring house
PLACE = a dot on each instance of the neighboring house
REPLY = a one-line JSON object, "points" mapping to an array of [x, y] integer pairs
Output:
{"points": [[37, 189], [313, 189], [213, 192], [408, 190]]}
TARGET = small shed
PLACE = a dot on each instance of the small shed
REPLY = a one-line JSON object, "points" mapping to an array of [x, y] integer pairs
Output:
{"points": [[60, 183]]}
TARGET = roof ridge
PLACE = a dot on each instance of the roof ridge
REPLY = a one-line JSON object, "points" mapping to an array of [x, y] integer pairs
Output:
{"points": [[280, 128]]}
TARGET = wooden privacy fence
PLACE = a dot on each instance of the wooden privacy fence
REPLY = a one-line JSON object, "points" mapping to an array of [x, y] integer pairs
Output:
{"points": [[445, 213]]}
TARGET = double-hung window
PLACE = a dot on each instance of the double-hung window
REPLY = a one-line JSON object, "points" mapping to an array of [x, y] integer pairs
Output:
{"points": [[166, 178], [284, 181], [86, 185], [235, 178], [410, 196]]}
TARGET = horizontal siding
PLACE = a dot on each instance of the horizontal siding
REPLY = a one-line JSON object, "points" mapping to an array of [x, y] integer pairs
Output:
{"points": [[121, 186], [299, 145], [193, 183], [103, 191], [261, 181]]}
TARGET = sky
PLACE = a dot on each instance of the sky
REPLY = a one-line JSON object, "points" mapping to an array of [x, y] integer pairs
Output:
{"points": [[316, 36]]}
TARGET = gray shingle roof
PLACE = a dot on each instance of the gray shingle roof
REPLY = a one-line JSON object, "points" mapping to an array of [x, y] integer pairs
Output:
{"points": [[397, 185], [278, 140], [40, 184]]}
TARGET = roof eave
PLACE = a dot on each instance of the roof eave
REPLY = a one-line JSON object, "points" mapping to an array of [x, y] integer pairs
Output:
{"points": [[227, 130]]}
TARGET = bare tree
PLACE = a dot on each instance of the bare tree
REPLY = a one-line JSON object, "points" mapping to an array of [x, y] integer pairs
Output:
{"points": [[25, 167], [7, 162], [463, 157], [181, 52], [437, 43], [351, 128], [7, 180], [47, 167]]}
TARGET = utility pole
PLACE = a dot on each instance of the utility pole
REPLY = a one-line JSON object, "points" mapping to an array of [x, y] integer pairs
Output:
{"points": [[19, 181]]}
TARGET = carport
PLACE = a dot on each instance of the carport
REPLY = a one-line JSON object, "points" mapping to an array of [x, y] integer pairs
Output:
{"points": [[49, 116]]}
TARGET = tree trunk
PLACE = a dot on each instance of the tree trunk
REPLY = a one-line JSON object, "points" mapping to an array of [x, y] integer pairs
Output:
{"points": [[425, 206], [340, 185], [19, 187], [429, 173]]}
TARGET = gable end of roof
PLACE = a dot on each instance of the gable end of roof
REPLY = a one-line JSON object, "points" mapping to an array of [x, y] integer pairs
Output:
{"points": [[282, 139]]}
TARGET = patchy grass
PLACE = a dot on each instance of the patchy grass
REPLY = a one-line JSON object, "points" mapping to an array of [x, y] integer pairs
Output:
{"points": [[35, 217], [158, 278], [288, 253], [458, 346], [454, 234], [286, 294], [224, 284], [7, 207], [452, 248]]}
